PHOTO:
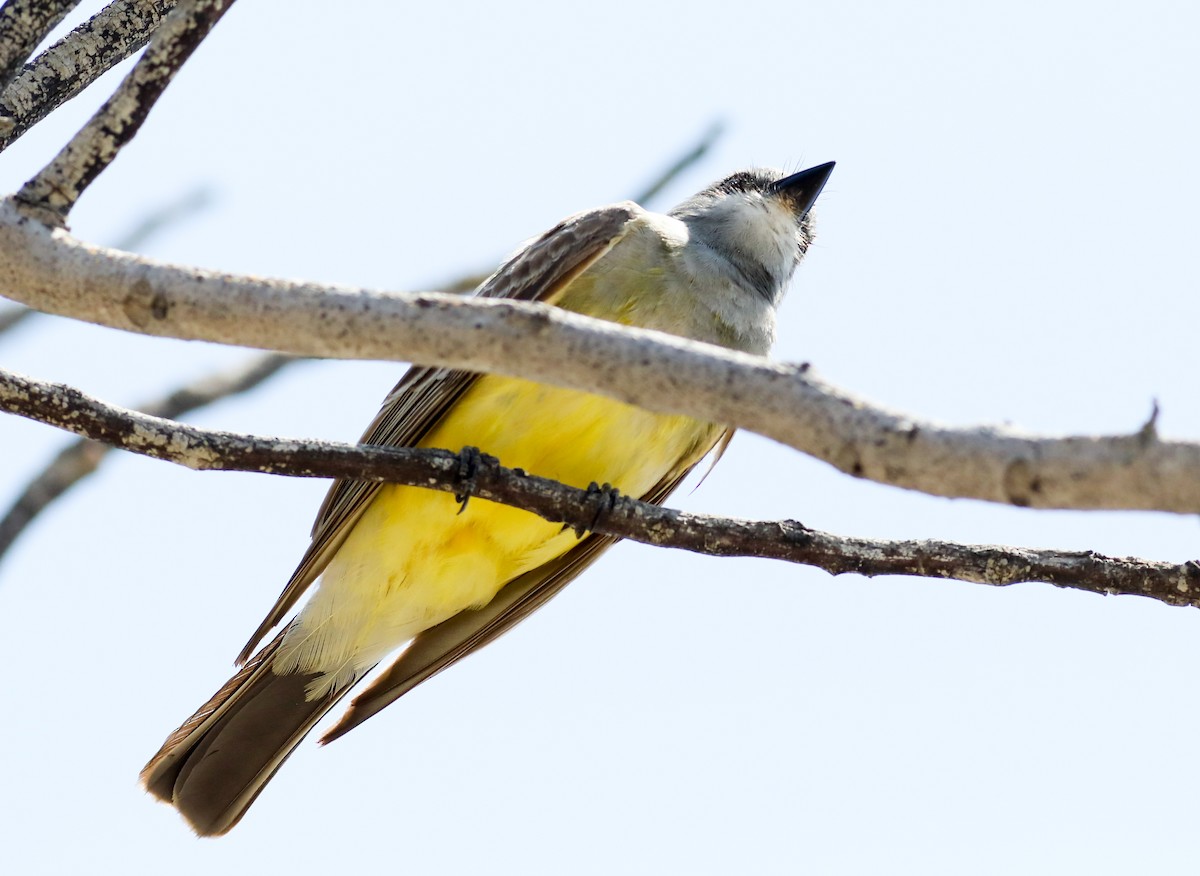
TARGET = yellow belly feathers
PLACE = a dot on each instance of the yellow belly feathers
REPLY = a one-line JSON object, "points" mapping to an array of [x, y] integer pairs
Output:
{"points": [[413, 560]]}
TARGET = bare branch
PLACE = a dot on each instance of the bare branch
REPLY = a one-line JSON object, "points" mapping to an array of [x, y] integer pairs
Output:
{"points": [[83, 457], [162, 217], [698, 150], [24, 24], [682, 163], [10, 317], [51, 271], [594, 510], [54, 190], [215, 387], [78, 460], [76, 61], [165, 216]]}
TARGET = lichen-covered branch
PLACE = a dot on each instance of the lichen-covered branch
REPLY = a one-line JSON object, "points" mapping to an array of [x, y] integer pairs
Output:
{"points": [[75, 62], [594, 510], [53, 191], [51, 271], [79, 459], [24, 24]]}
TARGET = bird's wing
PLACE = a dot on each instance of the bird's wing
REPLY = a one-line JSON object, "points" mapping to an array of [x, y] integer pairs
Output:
{"points": [[441, 646], [539, 271]]}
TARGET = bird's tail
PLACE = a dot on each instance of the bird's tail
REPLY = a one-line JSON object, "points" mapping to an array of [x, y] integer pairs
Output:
{"points": [[214, 766]]}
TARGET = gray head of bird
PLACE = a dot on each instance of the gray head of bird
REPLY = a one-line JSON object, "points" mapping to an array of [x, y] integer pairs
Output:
{"points": [[757, 221]]}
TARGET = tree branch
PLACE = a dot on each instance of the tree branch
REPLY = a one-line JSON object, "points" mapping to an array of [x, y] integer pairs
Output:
{"points": [[75, 62], [666, 176], [53, 191], [165, 216], [51, 271], [10, 317], [682, 163], [24, 24], [82, 457], [592, 510]]}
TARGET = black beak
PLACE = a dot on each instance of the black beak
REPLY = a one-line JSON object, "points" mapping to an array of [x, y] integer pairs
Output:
{"points": [[803, 188]]}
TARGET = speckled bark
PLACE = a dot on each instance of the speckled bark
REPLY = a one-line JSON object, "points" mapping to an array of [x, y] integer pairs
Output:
{"points": [[56, 188], [75, 62], [51, 271], [78, 460], [24, 24], [67, 408]]}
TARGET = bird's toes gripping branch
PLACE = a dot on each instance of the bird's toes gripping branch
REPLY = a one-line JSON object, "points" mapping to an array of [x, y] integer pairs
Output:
{"points": [[469, 461], [602, 499]]}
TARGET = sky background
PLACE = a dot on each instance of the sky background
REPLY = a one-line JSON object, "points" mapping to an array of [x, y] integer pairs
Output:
{"points": [[1009, 237]]}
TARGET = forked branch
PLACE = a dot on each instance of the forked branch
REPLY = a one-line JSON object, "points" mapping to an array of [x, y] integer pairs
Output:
{"points": [[24, 24], [75, 62], [53, 191]]}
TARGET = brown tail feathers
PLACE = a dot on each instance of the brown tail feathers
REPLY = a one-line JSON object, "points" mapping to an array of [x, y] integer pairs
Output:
{"points": [[213, 767]]}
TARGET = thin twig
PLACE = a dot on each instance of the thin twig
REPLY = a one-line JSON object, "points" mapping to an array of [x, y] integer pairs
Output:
{"points": [[52, 193], [10, 317], [163, 217], [82, 457], [24, 24], [76, 61], [587, 510], [682, 163], [668, 175]]}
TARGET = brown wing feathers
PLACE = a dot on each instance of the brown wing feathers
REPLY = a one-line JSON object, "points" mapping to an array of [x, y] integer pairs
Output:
{"points": [[444, 645], [214, 766], [539, 272]]}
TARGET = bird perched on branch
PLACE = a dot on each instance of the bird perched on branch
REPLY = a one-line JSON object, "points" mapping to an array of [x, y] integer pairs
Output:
{"points": [[397, 565]]}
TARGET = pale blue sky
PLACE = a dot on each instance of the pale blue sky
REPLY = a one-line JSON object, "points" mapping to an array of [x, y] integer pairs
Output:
{"points": [[1008, 238]]}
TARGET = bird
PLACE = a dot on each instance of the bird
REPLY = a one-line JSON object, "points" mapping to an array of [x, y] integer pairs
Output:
{"points": [[396, 569]]}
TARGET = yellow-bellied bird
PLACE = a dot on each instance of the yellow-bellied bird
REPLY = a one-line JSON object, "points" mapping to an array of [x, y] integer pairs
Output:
{"points": [[398, 564]]}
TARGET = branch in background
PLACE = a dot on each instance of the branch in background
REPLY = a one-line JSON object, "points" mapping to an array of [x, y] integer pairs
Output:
{"points": [[76, 61], [471, 282], [53, 191], [81, 458], [10, 317], [23, 25], [591, 510], [52, 272], [169, 214], [664, 179]]}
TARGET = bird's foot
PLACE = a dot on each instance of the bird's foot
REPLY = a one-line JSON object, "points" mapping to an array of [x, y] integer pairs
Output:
{"points": [[469, 460], [603, 499]]}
